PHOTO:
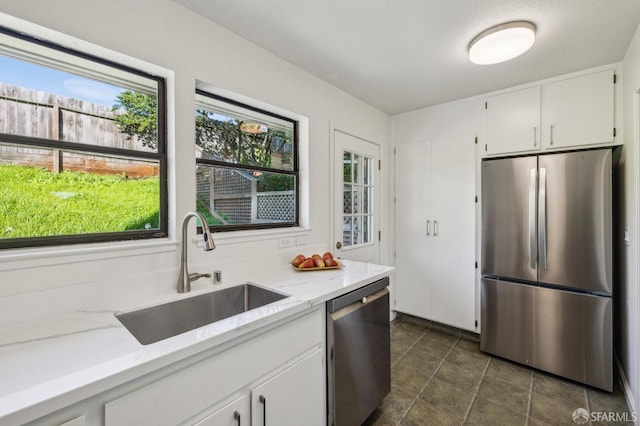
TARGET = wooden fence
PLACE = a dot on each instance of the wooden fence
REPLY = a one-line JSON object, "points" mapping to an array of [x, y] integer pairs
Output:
{"points": [[28, 112]]}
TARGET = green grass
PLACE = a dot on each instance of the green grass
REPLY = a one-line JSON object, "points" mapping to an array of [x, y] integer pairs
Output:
{"points": [[36, 202]]}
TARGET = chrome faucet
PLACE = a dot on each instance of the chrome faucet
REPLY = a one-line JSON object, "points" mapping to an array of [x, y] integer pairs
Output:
{"points": [[185, 278]]}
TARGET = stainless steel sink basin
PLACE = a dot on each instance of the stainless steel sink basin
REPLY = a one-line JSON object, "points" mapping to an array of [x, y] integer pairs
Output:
{"points": [[156, 323]]}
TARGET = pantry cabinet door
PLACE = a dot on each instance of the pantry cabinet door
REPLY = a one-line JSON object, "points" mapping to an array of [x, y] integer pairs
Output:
{"points": [[414, 228], [513, 122], [578, 111], [452, 255]]}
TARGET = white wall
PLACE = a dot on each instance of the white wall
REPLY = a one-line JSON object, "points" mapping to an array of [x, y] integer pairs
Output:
{"points": [[629, 295], [189, 48]]}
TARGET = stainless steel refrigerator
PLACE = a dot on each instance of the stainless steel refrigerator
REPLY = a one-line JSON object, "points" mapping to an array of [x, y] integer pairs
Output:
{"points": [[546, 292]]}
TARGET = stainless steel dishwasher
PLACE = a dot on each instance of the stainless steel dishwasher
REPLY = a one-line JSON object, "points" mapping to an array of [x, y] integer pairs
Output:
{"points": [[358, 353]]}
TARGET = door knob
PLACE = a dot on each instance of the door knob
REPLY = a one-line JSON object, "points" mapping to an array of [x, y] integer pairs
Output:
{"points": [[339, 245]]}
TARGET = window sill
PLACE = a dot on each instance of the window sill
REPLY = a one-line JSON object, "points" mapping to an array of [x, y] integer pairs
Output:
{"points": [[237, 237], [37, 257]]}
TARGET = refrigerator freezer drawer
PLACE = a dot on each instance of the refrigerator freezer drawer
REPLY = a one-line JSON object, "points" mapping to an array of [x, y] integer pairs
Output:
{"points": [[564, 333]]}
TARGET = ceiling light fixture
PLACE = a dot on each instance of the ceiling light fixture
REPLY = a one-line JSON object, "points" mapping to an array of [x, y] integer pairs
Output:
{"points": [[502, 42]]}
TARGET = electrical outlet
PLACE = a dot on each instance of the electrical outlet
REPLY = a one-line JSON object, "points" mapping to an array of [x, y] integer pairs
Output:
{"points": [[285, 242], [301, 240]]}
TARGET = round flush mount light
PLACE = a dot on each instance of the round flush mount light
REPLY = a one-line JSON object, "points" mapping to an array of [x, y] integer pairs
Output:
{"points": [[502, 42]]}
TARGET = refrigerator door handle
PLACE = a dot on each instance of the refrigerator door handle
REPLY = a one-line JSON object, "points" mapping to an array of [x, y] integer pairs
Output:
{"points": [[542, 225], [532, 218]]}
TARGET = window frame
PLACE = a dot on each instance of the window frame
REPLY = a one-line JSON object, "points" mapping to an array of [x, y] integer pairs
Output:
{"points": [[235, 166], [160, 156]]}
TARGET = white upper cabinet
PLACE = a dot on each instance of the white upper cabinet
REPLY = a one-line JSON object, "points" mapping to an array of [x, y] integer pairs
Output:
{"points": [[578, 111], [513, 122]]}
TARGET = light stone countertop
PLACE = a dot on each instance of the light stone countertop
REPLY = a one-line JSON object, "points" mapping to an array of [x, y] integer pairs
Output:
{"points": [[66, 357]]}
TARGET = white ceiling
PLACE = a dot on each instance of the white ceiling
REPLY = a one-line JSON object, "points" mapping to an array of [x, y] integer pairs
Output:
{"points": [[402, 55]]}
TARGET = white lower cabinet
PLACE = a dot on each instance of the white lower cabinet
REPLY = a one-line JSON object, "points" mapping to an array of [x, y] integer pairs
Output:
{"points": [[236, 413], [78, 421], [291, 398], [285, 365]]}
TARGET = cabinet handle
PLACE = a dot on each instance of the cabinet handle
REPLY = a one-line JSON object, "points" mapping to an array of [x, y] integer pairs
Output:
{"points": [[551, 134], [435, 228], [263, 401], [236, 417], [428, 228], [535, 135]]}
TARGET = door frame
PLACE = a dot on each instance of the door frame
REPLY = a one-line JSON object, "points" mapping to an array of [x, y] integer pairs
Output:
{"points": [[332, 185]]}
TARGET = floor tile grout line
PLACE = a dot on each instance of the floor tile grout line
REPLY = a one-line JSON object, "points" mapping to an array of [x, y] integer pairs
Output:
{"points": [[431, 377], [530, 402], [413, 401], [475, 394]]}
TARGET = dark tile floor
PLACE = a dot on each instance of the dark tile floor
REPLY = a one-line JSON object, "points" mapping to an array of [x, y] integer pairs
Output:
{"points": [[440, 377]]}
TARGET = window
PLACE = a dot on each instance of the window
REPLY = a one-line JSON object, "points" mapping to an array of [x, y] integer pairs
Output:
{"points": [[82, 147], [357, 199], [246, 165]]}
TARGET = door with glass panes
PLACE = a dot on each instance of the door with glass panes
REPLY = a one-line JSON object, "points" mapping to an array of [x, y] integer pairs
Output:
{"points": [[356, 222]]}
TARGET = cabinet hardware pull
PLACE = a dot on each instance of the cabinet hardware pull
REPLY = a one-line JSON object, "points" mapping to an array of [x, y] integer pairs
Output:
{"points": [[263, 401], [435, 228], [428, 228], [551, 134], [236, 417], [535, 136]]}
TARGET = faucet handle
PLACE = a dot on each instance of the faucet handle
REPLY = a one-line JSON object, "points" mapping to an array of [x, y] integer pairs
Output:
{"points": [[195, 276]]}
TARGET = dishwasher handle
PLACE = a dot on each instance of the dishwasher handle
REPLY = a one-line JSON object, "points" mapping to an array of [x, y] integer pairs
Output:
{"points": [[338, 303]]}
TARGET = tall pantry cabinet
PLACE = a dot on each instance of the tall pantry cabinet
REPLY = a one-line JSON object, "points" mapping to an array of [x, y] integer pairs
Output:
{"points": [[435, 230]]}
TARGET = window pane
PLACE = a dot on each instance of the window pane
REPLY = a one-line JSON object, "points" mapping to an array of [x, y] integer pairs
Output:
{"points": [[94, 194], [347, 199], [347, 239], [230, 196], [357, 231], [346, 164], [357, 201], [368, 199], [357, 164], [244, 138], [368, 170], [44, 102], [366, 229]]}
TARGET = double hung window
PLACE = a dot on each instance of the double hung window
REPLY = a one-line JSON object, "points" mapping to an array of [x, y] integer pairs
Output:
{"points": [[246, 165]]}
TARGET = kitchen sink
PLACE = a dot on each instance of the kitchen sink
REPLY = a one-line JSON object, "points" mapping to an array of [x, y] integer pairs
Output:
{"points": [[155, 323]]}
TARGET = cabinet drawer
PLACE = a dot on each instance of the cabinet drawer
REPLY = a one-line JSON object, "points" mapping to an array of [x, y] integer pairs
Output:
{"points": [[178, 397]]}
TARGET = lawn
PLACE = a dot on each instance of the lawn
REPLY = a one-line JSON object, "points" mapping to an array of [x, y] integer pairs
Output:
{"points": [[36, 202]]}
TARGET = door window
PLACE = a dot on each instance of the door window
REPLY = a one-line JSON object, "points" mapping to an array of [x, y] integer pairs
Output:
{"points": [[357, 199]]}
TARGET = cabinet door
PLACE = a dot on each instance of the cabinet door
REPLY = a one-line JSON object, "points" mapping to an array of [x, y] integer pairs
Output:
{"points": [[414, 228], [452, 252], [513, 122], [78, 421], [235, 413], [578, 111], [293, 397]]}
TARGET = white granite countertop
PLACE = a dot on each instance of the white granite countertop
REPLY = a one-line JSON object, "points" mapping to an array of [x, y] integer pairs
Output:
{"points": [[64, 358]]}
